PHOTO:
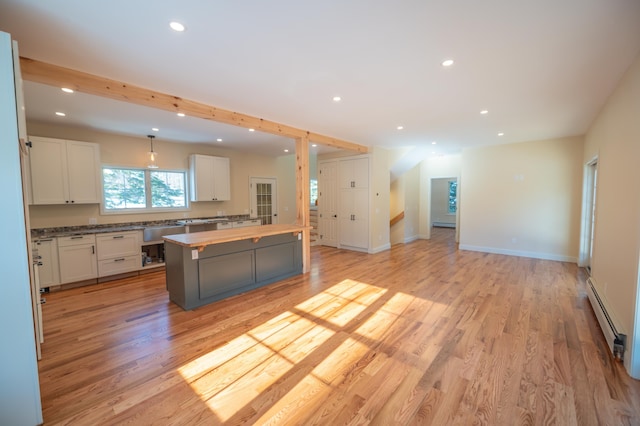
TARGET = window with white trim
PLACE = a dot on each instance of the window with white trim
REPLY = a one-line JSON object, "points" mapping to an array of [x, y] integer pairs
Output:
{"points": [[130, 190]]}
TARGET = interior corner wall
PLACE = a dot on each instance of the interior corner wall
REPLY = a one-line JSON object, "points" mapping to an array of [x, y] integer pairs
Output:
{"points": [[435, 167], [411, 204], [523, 199], [396, 207], [614, 138], [380, 183]]}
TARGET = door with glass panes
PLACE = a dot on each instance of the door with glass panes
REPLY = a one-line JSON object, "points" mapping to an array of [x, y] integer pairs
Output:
{"points": [[264, 200]]}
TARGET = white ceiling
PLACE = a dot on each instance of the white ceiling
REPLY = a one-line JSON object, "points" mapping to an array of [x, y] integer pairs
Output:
{"points": [[542, 68]]}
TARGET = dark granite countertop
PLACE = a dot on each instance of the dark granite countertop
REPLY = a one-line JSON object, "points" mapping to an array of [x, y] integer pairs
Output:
{"points": [[66, 231]]}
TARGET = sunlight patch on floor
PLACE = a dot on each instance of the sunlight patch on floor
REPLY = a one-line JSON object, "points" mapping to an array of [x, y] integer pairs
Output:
{"points": [[233, 376]]}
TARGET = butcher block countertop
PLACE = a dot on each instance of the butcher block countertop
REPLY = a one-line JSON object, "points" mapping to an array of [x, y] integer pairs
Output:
{"points": [[207, 238]]}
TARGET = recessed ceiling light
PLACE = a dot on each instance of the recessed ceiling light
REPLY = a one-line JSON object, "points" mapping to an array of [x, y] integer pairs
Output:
{"points": [[176, 26], [484, 111], [314, 145], [155, 129], [400, 127], [67, 90], [286, 150], [219, 140], [181, 114], [252, 130], [447, 63], [501, 134], [60, 114], [337, 99], [434, 142]]}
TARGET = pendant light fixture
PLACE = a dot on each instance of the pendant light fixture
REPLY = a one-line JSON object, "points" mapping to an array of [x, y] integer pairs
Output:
{"points": [[152, 156]]}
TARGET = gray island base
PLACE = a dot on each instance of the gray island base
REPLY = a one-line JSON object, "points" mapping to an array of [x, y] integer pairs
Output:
{"points": [[205, 267]]}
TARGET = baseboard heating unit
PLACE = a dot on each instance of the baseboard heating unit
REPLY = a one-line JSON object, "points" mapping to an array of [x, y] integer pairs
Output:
{"points": [[617, 341]]}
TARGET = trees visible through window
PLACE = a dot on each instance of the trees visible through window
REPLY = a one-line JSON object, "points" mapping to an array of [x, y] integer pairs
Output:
{"points": [[453, 196], [134, 190]]}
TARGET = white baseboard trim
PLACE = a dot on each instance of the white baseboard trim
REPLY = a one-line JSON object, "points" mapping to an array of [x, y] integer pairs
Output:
{"points": [[423, 236], [410, 239], [531, 254], [380, 249]]}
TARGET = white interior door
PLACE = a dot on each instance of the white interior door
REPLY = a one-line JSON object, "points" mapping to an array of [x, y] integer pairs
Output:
{"points": [[328, 203], [264, 199]]}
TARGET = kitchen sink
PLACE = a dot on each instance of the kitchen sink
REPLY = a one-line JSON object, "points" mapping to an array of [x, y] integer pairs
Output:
{"points": [[155, 233]]}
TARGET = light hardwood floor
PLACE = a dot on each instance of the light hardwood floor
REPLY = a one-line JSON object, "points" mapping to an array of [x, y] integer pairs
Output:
{"points": [[420, 334]]}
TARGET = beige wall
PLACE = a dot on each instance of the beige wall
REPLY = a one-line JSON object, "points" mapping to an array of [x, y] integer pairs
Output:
{"points": [[379, 190], [523, 199], [433, 168], [440, 202], [396, 206], [614, 138], [412, 204], [127, 151]]}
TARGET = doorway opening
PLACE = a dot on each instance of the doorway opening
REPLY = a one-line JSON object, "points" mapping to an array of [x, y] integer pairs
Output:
{"points": [[444, 202], [589, 214]]}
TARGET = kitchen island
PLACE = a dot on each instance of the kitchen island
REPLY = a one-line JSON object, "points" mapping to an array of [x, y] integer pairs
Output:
{"points": [[204, 267]]}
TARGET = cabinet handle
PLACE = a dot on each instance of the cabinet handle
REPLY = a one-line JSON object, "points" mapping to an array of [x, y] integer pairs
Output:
{"points": [[77, 238], [118, 236], [93, 249], [45, 240], [121, 259]]}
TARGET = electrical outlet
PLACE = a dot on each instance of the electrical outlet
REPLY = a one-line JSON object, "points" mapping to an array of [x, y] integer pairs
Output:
{"points": [[93, 221]]}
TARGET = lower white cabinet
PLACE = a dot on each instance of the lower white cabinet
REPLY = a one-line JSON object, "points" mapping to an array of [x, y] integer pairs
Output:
{"points": [[77, 258], [118, 252], [48, 269]]}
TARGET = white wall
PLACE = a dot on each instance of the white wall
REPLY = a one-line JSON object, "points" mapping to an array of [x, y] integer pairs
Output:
{"points": [[431, 168], [379, 238], [523, 199], [121, 150], [614, 138], [19, 387], [411, 204]]}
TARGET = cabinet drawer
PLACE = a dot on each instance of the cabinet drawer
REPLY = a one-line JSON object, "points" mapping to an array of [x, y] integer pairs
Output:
{"points": [[75, 240], [118, 265], [117, 244]]}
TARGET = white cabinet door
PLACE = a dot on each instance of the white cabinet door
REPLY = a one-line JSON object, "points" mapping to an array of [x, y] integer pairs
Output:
{"points": [[48, 269], [221, 179], [354, 173], [64, 172], [353, 203], [48, 164], [209, 178], [83, 168], [353, 218], [77, 257], [328, 203]]}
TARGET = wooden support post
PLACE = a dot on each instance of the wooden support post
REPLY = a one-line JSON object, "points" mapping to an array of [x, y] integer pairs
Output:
{"points": [[302, 198]]}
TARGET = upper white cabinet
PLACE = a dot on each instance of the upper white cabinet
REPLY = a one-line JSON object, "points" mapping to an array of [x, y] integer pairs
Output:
{"points": [[353, 173], [209, 178], [64, 172]]}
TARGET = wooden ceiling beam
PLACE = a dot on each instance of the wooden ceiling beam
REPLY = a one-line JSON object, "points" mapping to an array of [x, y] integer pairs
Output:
{"points": [[53, 75]]}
